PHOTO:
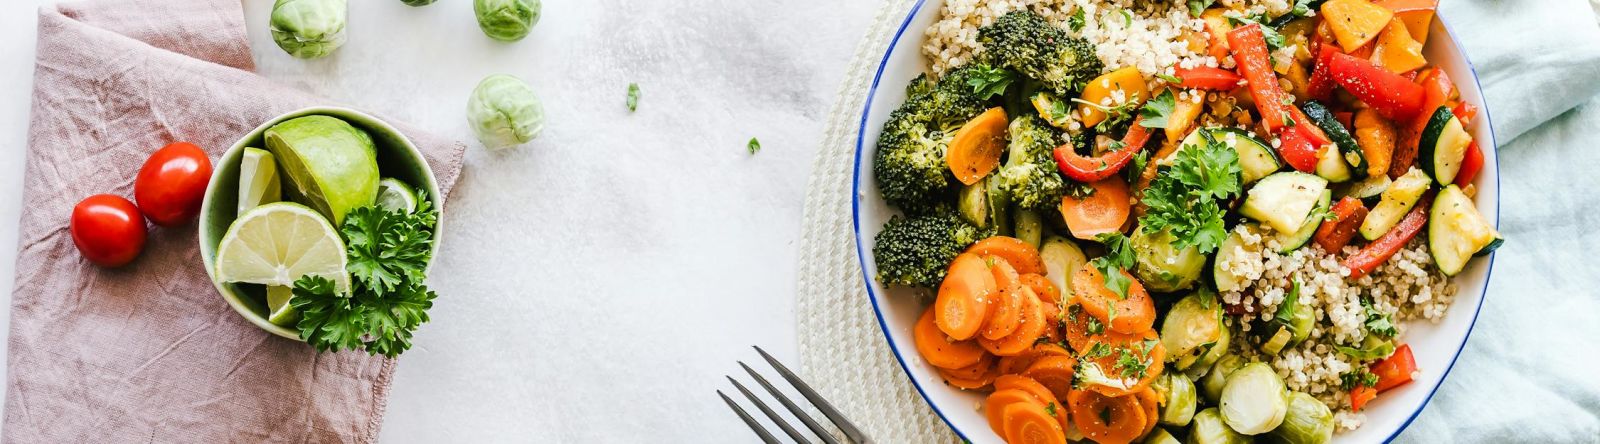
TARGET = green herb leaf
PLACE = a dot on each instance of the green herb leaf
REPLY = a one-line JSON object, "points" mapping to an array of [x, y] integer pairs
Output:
{"points": [[1077, 20], [754, 146], [633, 97], [1197, 7], [1287, 307], [1157, 113], [1119, 256], [1169, 78], [1186, 198], [1378, 322], [987, 81]]}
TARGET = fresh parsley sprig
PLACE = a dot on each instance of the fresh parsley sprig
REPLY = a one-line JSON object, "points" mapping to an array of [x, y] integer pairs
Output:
{"points": [[1158, 111], [1119, 256], [1186, 199]]}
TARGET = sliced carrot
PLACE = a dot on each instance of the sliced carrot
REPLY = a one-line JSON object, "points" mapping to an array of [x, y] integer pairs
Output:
{"points": [[1042, 287], [1149, 401], [994, 406], [1134, 313], [1107, 420], [1054, 372], [1028, 423], [974, 371], [974, 152], [963, 302], [1015, 364], [1026, 384], [1103, 211], [978, 383], [1020, 255], [1106, 352], [1005, 308], [939, 350], [1078, 327], [1052, 321], [1033, 326]]}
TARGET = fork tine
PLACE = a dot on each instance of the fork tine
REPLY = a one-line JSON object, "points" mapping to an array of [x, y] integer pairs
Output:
{"points": [[768, 411], [850, 430], [760, 431], [799, 413]]}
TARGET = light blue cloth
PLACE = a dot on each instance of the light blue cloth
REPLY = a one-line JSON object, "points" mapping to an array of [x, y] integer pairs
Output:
{"points": [[1531, 371]]}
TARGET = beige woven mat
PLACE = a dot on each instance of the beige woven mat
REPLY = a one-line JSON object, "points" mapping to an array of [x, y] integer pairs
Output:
{"points": [[842, 348]]}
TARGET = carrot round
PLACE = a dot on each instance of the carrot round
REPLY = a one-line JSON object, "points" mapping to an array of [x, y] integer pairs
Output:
{"points": [[1149, 401], [938, 349], [1052, 321], [1054, 372], [1103, 211], [1026, 384], [1022, 256], [1015, 364], [1042, 287], [974, 371], [1134, 313], [962, 304], [1078, 327], [1005, 313], [994, 406], [963, 382], [1104, 419], [974, 152], [1033, 326], [1028, 423], [1106, 353]]}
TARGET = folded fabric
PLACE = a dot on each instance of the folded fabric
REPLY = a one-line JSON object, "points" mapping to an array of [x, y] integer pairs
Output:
{"points": [[1535, 61], [150, 352]]}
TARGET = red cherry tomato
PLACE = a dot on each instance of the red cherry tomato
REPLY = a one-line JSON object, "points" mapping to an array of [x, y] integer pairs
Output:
{"points": [[108, 230], [172, 183]]}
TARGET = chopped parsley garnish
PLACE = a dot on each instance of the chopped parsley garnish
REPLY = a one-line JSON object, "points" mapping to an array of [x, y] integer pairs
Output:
{"points": [[1378, 322], [1115, 115], [754, 146], [1076, 21], [1051, 409], [1158, 111], [1186, 199], [1119, 256], [1287, 307], [1130, 365], [987, 81], [1360, 376], [633, 97]]}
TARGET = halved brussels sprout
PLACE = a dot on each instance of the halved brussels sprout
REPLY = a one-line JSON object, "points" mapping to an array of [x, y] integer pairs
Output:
{"points": [[1181, 399], [309, 29], [1209, 429], [506, 20], [504, 112], [1211, 385], [1192, 327], [1254, 399], [1309, 421], [1161, 266]]}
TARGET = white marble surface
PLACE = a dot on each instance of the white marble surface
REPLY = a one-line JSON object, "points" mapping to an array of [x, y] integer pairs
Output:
{"points": [[598, 283]]}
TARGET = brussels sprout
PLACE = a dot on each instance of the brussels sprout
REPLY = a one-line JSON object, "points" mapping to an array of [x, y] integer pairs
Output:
{"points": [[506, 20], [504, 112], [1254, 401], [1180, 399], [1192, 328], [1160, 436], [1209, 429], [1211, 385], [309, 29], [1030, 226], [417, 2], [1062, 258], [973, 203], [1160, 266], [1309, 421]]}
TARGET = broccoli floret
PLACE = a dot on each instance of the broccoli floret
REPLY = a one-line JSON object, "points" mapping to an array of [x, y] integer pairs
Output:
{"points": [[909, 163], [1023, 41], [914, 251], [1030, 176]]}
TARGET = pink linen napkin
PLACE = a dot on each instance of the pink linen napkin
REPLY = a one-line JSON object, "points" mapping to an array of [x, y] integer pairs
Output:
{"points": [[150, 352]]}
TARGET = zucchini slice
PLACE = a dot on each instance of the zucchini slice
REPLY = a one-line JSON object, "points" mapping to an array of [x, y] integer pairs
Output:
{"points": [[1288, 242], [1283, 200], [1396, 201], [1370, 187], [1351, 151], [1256, 159], [1457, 231], [1331, 166], [1444, 145]]}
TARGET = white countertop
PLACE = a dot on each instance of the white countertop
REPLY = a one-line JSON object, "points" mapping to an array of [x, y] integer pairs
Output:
{"points": [[600, 281]]}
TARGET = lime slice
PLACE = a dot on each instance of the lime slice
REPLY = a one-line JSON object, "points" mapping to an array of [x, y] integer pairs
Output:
{"points": [[258, 179], [277, 243], [333, 165], [396, 195], [278, 305]]}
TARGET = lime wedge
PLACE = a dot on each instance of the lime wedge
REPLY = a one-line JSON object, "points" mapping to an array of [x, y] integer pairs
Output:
{"points": [[333, 165], [277, 243], [278, 305], [258, 179], [396, 195]]}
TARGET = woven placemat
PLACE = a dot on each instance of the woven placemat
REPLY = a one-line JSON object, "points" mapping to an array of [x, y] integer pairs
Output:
{"points": [[842, 349]]}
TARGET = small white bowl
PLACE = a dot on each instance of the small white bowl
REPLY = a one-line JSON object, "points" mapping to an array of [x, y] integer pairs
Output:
{"points": [[397, 158], [1436, 346]]}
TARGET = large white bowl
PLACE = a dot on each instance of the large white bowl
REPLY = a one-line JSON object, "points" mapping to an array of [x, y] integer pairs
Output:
{"points": [[1436, 346]]}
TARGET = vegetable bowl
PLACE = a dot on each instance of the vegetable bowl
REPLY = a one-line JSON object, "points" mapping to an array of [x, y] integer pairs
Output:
{"points": [[1432, 341], [390, 153]]}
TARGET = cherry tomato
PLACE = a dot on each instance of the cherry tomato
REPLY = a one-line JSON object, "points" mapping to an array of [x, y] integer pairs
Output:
{"points": [[108, 230], [172, 183]]}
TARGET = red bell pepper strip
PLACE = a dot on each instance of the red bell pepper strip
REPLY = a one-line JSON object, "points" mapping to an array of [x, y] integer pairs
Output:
{"points": [[1465, 111], [1207, 78], [1395, 370], [1387, 93], [1321, 85], [1298, 150], [1405, 152], [1335, 233], [1471, 165], [1313, 132], [1249, 49], [1436, 91], [1095, 169], [1379, 251], [1360, 395]]}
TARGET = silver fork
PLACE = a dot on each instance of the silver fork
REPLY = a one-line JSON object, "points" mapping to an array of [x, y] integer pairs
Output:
{"points": [[850, 431]]}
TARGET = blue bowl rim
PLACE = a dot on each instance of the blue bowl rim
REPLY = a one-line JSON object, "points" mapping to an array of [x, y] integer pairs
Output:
{"points": [[861, 257]]}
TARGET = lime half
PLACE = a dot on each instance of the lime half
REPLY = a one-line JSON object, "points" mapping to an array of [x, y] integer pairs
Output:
{"points": [[333, 165], [278, 243], [281, 313], [258, 179], [396, 195]]}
